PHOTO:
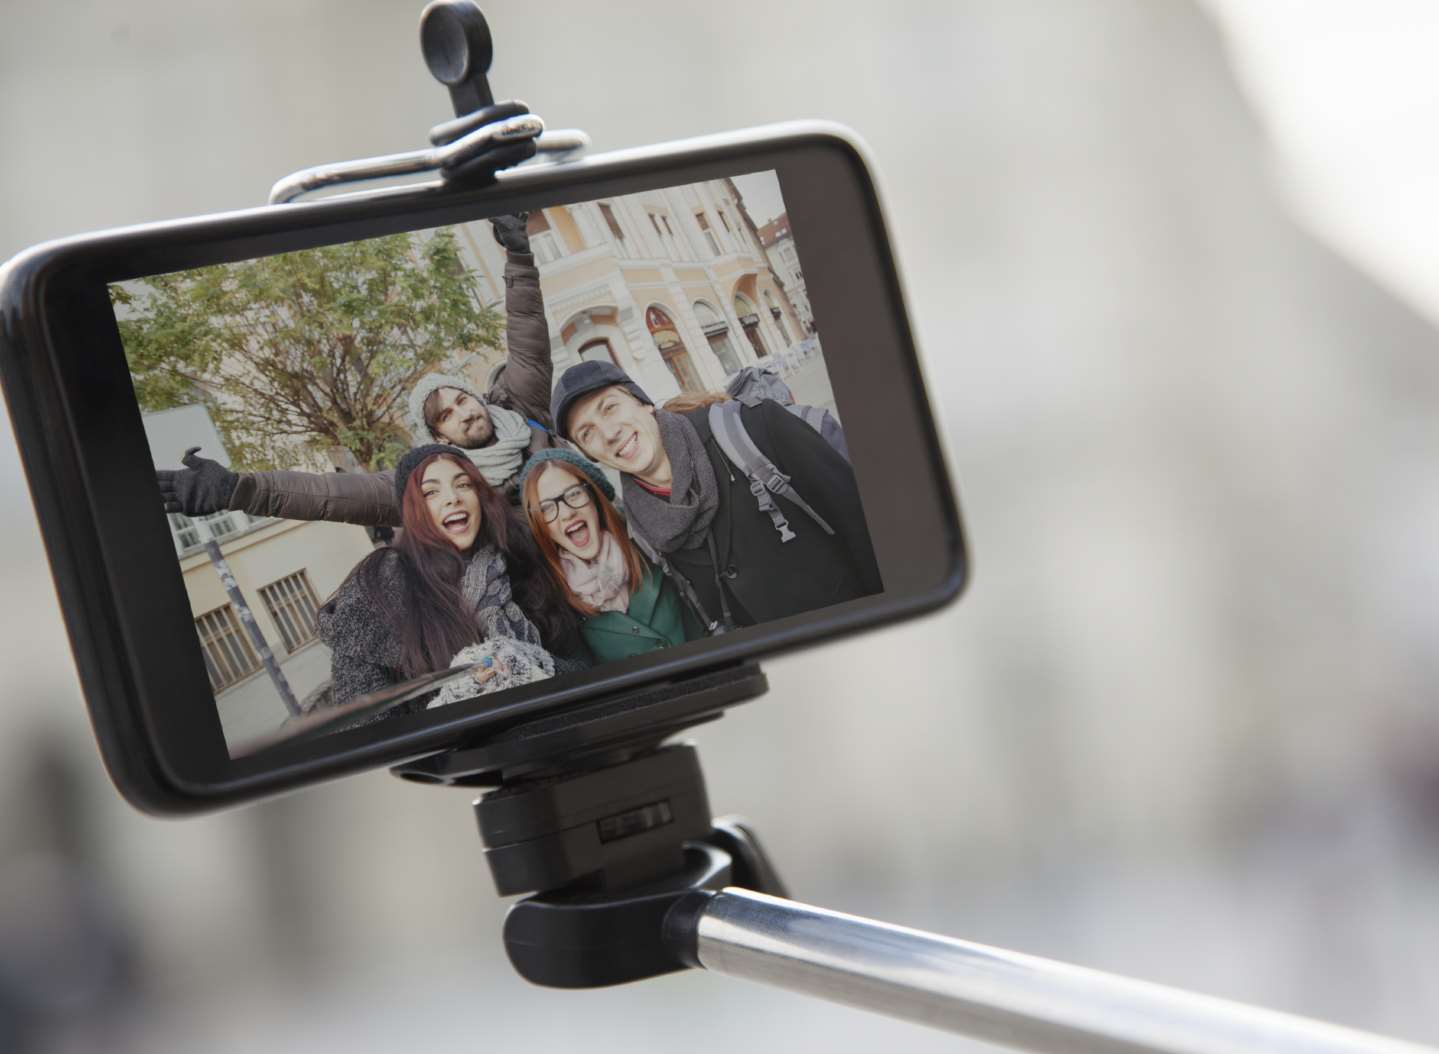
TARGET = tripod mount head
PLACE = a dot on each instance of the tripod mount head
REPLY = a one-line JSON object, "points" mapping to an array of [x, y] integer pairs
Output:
{"points": [[608, 824]]}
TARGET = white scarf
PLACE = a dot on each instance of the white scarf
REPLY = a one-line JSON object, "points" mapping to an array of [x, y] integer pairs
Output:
{"points": [[499, 461], [604, 582]]}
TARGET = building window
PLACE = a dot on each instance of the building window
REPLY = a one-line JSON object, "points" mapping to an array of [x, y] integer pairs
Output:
{"points": [[672, 349], [191, 533], [616, 231], [229, 658], [704, 223], [291, 604], [729, 230], [543, 242], [749, 322], [598, 350], [716, 331], [668, 246], [185, 530], [778, 316]]}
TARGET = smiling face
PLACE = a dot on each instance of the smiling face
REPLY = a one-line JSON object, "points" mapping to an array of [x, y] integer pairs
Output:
{"points": [[457, 417], [620, 432], [577, 531], [452, 500]]}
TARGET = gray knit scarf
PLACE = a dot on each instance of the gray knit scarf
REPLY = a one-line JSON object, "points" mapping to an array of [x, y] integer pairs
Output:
{"points": [[485, 591], [505, 455], [681, 520]]}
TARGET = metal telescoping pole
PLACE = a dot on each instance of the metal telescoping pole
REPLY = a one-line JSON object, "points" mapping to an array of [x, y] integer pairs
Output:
{"points": [[991, 994]]}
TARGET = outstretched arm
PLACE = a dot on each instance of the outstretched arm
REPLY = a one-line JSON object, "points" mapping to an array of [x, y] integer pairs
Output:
{"points": [[205, 486], [365, 498]]}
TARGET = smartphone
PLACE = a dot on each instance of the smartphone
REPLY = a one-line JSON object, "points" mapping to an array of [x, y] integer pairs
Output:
{"points": [[468, 457]]}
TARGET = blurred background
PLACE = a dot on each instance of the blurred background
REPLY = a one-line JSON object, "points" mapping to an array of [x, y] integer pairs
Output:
{"points": [[1175, 270]]}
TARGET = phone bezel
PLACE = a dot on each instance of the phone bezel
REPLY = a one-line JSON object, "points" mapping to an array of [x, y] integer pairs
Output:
{"points": [[72, 404]]}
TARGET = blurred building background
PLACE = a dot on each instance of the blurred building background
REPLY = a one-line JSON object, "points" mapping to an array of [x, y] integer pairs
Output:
{"points": [[1183, 725]]}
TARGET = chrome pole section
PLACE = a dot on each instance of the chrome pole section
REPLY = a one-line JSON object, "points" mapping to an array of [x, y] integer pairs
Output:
{"points": [[991, 994]]}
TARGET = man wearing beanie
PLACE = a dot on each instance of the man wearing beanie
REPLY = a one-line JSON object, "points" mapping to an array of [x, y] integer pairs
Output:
{"points": [[498, 429], [748, 554]]}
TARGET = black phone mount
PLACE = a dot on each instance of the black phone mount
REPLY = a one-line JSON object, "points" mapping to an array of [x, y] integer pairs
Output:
{"points": [[609, 825]]}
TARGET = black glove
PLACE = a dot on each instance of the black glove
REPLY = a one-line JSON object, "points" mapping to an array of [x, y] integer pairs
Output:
{"points": [[512, 231], [200, 488]]}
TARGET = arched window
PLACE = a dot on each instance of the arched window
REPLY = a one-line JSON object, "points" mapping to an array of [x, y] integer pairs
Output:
{"points": [[716, 331], [598, 350], [672, 349], [749, 320], [778, 316]]}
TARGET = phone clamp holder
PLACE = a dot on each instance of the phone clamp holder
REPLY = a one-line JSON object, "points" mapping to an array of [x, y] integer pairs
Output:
{"points": [[483, 138], [609, 825]]}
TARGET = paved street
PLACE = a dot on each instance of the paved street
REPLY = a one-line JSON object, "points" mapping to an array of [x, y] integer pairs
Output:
{"points": [[810, 383]]}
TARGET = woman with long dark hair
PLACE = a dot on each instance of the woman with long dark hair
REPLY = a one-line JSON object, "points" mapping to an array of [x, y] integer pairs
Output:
{"points": [[626, 605], [464, 582]]}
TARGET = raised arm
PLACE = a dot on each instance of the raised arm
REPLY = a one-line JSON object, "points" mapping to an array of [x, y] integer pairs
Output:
{"points": [[524, 384]]}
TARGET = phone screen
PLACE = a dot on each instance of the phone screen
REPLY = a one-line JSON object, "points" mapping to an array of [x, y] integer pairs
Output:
{"points": [[439, 465]]}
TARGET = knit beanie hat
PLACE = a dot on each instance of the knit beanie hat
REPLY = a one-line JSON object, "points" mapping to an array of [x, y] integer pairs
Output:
{"points": [[424, 387], [583, 378], [410, 460], [591, 471]]}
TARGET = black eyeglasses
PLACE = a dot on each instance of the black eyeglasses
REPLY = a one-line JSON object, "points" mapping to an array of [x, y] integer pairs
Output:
{"points": [[576, 497]]}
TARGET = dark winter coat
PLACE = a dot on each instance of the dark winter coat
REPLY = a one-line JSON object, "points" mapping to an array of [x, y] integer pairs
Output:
{"points": [[354, 623], [762, 577], [656, 618], [368, 498]]}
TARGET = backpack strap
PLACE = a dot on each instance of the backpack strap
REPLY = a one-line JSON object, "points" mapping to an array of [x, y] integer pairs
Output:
{"points": [[765, 478], [810, 415], [714, 627]]}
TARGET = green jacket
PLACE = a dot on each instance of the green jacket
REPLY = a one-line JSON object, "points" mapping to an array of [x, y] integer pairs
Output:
{"points": [[656, 618]]}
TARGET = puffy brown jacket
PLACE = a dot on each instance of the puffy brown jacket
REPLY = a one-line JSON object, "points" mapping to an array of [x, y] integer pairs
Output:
{"points": [[368, 498]]}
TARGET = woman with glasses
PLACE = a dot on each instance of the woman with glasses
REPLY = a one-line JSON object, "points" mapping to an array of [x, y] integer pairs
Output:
{"points": [[627, 606]]}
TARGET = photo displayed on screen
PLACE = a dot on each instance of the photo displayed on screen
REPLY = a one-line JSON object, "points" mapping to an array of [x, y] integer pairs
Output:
{"points": [[414, 471]]}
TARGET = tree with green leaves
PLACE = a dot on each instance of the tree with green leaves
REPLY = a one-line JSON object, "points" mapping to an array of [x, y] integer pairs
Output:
{"points": [[300, 353]]}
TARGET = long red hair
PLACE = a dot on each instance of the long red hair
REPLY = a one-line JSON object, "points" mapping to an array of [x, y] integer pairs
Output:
{"points": [[610, 520]]}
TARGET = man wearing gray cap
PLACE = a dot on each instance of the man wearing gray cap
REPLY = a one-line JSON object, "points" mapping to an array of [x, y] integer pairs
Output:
{"points": [[757, 514], [498, 428]]}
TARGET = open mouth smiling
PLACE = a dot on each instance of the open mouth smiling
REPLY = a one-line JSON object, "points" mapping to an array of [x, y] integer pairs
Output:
{"points": [[578, 533], [456, 522], [626, 450]]}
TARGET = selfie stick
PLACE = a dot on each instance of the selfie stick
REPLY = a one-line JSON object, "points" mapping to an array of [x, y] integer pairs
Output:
{"points": [[606, 823], [610, 823]]}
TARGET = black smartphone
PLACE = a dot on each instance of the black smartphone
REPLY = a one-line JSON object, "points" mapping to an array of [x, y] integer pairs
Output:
{"points": [[466, 457]]}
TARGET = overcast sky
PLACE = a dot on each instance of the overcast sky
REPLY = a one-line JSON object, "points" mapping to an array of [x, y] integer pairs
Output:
{"points": [[760, 191]]}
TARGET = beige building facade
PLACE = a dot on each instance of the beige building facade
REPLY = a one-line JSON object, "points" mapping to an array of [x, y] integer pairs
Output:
{"points": [[671, 285], [283, 569], [779, 247]]}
